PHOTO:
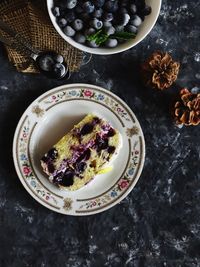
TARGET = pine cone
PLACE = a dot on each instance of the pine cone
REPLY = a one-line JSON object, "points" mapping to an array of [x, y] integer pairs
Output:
{"points": [[160, 71], [187, 108]]}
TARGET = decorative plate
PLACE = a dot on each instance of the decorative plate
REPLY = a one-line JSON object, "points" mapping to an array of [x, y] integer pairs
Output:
{"points": [[53, 114]]}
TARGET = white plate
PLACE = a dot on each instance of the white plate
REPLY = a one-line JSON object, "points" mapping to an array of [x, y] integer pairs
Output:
{"points": [[48, 118]]}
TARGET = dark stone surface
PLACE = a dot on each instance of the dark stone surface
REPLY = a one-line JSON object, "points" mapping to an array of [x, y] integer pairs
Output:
{"points": [[158, 224]]}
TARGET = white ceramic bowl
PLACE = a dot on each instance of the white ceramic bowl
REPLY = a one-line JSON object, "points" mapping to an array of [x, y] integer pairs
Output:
{"points": [[144, 30]]}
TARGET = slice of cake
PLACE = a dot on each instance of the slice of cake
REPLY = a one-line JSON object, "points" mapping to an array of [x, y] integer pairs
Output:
{"points": [[82, 153]]}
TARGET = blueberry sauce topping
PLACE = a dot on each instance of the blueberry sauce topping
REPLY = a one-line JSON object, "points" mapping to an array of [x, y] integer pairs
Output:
{"points": [[86, 129]]}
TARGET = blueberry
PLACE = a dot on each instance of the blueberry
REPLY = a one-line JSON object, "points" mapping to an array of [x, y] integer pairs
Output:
{"points": [[80, 38], [67, 178], [124, 3], [111, 43], [92, 44], [123, 10], [119, 28], [111, 149], [111, 132], [52, 153], [99, 3], [70, 16], [81, 166], [85, 156], [46, 62], [62, 22], [108, 16], [98, 13], [97, 24], [123, 19], [132, 29], [58, 58], [59, 70], [147, 10], [88, 7], [136, 21], [78, 9], [89, 31], [111, 6], [71, 3], [50, 167], [69, 31], [86, 129], [133, 8], [107, 24], [56, 11], [101, 143], [77, 24], [109, 30]]}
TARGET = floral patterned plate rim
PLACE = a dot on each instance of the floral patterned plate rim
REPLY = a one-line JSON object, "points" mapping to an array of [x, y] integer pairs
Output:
{"points": [[48, 118]]}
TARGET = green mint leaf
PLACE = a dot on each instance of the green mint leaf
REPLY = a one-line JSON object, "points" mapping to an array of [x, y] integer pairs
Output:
{"points": [[98, 37], [123, 35]]}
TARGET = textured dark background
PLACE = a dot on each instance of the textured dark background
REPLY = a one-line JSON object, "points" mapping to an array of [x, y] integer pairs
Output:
{"points": [[158, 224]]}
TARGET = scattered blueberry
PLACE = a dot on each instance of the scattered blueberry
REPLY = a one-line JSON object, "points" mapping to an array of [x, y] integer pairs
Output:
{"points": [[58, 58], [46, 62], [59, 70]]}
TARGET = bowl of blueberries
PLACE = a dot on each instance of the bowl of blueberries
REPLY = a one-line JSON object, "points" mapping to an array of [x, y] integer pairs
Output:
{"points": [[103, 27]]}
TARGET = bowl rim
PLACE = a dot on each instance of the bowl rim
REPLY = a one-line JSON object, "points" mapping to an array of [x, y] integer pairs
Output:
{"points": [[102, 51]]}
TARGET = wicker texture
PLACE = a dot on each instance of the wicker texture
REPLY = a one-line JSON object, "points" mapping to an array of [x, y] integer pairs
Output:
{"points": [[31, 20]]}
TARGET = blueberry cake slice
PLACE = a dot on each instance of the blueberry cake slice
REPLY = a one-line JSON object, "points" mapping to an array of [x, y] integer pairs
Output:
{"points": [[82, 153]]}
